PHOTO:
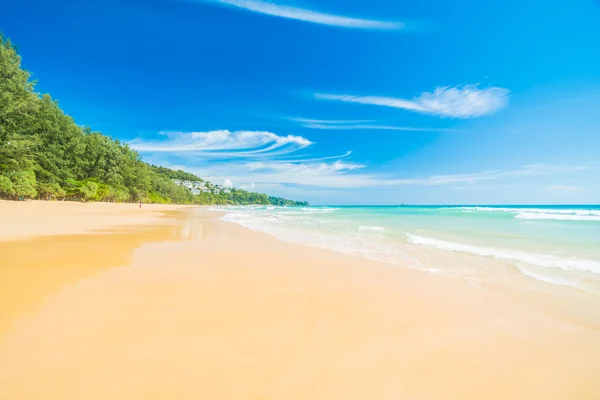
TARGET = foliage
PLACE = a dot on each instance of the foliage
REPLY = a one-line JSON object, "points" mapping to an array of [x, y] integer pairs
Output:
{"points": [[6, 186], [45, 155], [49, 191], [178, 174], [19, 184]]}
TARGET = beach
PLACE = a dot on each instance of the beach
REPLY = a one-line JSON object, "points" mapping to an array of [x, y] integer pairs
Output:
{"points": [[110, 301]]}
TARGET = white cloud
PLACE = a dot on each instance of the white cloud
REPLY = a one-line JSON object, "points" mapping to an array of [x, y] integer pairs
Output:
{"points": [[304, 168], [347, 125], [364, 127], [526, 170], [263, 159], [223, 143], [346, 175], [312, 160], [455, 102], [329, 121], [282, 11], [251, 186]]}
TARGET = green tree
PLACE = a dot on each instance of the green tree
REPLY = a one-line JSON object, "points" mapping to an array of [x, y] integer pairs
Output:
{"points": [[6, 186], [45, 154], [18, 106], [23, 184], [48, 191]]}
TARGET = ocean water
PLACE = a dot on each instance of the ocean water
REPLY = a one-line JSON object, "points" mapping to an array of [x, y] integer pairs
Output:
{"points": [[554, 246]]}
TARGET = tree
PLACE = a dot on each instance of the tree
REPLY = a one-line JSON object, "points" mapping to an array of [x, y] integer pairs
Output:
{"points": [[23, 184], [18, 105], [45, 154], [47, 191], [6, 186]]}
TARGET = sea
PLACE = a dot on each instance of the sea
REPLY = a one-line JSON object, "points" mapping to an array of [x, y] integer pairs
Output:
{"points": [[544, 249]]}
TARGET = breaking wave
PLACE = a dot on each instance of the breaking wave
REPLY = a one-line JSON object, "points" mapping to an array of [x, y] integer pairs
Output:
{"points": [[538, 260]]}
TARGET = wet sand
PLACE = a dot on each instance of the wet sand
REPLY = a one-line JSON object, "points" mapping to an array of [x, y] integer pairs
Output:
{"points": [[32, 219], [180, 305]]}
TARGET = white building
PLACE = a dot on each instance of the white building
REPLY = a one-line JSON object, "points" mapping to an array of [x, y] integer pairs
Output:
{"points": [[202, 187]]}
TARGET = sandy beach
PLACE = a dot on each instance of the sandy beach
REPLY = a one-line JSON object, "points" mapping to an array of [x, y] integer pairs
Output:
{"points": [[105, 301]]}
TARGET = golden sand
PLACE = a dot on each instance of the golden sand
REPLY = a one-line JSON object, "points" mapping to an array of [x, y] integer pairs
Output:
{"points": [[31, 219], [196, 308]]}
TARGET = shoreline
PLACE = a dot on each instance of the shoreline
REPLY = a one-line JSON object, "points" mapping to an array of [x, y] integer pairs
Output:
{"points": [[198, 307]]}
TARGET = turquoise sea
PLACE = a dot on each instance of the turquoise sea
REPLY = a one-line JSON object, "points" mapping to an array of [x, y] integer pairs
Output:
{"points": [[549, 246]]}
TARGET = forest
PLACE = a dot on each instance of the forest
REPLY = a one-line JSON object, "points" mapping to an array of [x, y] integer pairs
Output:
{"points": [[45, 155]]}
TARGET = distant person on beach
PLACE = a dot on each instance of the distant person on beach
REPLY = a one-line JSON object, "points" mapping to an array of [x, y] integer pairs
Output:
{"points": [[140, 204]]}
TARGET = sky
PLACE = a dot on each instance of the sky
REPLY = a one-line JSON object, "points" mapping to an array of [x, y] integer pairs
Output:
{"points": [[336, 102]]}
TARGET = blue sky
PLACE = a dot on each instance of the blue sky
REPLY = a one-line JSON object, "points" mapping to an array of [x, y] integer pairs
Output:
{"points": [[336, 102]]}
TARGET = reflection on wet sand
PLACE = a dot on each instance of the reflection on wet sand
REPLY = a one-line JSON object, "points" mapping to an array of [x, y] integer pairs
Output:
{"points": [[31, 270]]}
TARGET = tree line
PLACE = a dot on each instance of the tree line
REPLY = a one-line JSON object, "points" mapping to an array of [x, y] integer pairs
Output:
{"points": [[45, 155]]}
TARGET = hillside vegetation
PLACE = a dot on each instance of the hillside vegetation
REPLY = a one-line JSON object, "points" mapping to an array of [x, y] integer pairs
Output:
{"points": [[45, 155]]}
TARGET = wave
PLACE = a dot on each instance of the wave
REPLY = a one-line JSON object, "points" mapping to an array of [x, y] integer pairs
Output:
{"points": [[556, 216], [538, 260], [340, 232], [322, 233], [371, 228], [246, 208], [557, 280], [538, 213], [323, 209], [574, 211]]}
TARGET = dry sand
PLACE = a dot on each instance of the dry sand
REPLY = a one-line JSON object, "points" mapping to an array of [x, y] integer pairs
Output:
{"points": [[184, 306]]}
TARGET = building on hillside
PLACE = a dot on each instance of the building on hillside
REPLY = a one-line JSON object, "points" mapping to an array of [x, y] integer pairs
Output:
{"points": [[187, 184], [201, 187], [218, 189]]}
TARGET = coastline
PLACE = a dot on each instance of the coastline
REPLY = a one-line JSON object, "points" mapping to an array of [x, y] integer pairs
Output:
{"points": [[184, 305]]}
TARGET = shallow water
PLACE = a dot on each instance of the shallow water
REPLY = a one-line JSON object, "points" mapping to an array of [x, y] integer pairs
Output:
{"points": [[556, 245]]}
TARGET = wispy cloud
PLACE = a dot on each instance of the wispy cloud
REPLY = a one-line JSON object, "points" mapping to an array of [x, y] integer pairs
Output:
{"points": [[301, 14], [223, 143], [363, 125], [329, 121], [245, 158], [455, 102], [348, 175], [492, 175], [301, 159]]}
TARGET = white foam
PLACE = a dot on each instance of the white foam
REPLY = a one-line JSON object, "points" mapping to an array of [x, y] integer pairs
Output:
{"points": [[320, 209], [371, 228], [538, 260], [321, 233], [577, 212], [557, 216], [315, 226], [555, 280]]}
